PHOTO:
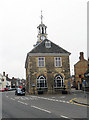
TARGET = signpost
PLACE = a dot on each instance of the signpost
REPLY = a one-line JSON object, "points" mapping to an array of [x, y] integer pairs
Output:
{"points": [[84, 87], [33, 85], [69, 86]]}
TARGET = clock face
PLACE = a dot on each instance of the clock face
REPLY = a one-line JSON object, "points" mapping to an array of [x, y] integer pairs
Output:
{"points": [[42, 37]]}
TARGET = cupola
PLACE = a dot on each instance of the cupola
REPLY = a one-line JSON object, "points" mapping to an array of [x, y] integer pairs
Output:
{"points": [[42, 31]]}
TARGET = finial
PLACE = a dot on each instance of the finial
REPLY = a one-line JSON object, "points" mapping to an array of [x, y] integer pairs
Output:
{"points": [[41, 17]]}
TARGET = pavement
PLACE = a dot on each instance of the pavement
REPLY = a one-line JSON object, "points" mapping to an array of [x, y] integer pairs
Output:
{"points": [[82, 100]]}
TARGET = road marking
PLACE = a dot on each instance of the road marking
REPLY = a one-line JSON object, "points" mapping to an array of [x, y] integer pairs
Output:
{"points": [[34, 96], [60, 100], [23, 103], [6, 96], [51, 99], [63, 116], [12, 99], [41, 109], [26, 98], [71, 101], [62, 97], [67, 102], [17, 97], [22, 98]]}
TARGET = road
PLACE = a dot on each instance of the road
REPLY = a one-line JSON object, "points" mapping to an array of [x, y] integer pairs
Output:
{"points": [[46, 106]]}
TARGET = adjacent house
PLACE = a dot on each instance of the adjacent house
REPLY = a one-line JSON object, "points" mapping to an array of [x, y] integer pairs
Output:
{"points": [[4, 81], [16, 82], [47, 66], [1, 81], [80, 68]]}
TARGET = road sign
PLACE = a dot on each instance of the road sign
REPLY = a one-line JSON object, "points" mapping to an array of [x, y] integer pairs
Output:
{"points": [[84, 82]]}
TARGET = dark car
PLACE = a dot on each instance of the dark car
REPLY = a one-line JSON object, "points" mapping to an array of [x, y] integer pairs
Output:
{"points": [[20, 91]]}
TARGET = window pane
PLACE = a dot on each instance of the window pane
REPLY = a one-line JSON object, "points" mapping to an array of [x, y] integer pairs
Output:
{"points": [[59, 58], [42, 58], [38, 85], [41, 62], [41, 83], [57, 62], [54, 83], [62, 83], [55, 58], [45, 83], [58, 83], [48, 44]]}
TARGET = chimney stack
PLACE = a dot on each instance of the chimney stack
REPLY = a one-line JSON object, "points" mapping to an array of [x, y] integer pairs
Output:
{"points": [[88, 59], [81, 56], [3, 73]]}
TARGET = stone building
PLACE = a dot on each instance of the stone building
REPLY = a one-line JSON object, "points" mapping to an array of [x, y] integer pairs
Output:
{"points": [[4, 81], [17, 82], [80, 68], [47, 66]]}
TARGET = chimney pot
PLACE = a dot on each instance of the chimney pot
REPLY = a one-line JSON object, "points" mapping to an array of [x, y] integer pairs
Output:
{"points": [[3, 73], [81, 56]]}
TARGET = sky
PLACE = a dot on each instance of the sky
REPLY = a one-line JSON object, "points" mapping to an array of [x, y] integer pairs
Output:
{"points": [[66, 22]]}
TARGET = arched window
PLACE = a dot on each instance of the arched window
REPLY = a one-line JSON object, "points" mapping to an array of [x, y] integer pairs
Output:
{"points": [[41, 81], [58, 81]]}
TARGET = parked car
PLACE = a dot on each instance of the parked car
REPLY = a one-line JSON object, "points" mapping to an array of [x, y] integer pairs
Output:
{"points": [[20, 91], [2, 90], [5, 89]]}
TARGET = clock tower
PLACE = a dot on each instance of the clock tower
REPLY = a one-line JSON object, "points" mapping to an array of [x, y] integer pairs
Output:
{"points": [[42, 35]]}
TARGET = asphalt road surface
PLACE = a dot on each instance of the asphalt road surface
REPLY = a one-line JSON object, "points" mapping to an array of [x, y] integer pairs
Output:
{"points": [[46, 106]]}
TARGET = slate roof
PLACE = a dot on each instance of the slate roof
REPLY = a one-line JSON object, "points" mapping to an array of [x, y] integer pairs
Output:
{"points": [[54, 48]]}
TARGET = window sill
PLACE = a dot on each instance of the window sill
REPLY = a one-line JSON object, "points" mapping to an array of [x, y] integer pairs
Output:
{"points": [[58, 87], [58, 66], [41, 87]]}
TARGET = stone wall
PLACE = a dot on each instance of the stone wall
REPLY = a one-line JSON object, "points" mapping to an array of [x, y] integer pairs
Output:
{"points": [[50, 71]]}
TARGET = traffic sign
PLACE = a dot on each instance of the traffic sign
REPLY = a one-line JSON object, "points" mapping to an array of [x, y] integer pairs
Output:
{"points": [[84, 82]]}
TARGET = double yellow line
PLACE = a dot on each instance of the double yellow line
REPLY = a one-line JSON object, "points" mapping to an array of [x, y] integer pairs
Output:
{"points": [[71, 101]]}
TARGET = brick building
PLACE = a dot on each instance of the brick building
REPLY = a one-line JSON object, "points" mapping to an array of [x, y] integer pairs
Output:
{"points": [[80, 68], [47, 66]]}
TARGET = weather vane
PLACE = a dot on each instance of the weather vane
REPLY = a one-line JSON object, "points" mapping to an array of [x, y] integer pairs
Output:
{"points": [[41, 17]]}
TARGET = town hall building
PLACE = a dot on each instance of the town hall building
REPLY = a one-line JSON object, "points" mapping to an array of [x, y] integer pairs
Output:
{"points": [[47, 66]]}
